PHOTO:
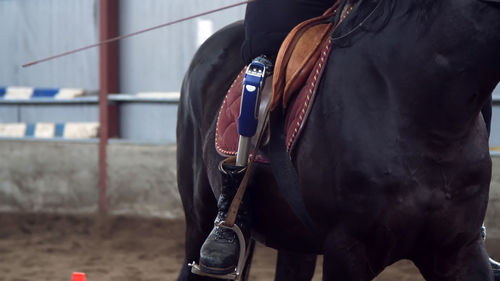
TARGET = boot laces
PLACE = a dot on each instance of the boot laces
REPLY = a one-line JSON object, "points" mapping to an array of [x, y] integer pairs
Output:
{"points": [[223, 234]]}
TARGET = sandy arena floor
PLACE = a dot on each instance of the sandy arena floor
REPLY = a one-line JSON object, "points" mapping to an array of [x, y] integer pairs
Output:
{"points": [[50, 248]]}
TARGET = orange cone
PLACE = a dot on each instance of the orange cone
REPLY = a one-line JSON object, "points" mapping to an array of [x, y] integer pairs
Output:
{"points": [[78, 276]]}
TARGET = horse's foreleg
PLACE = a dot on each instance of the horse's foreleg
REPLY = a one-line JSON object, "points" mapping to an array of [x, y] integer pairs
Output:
{"points": [[468, 263], [197, 198], [199, 211], [496, 269], [295, 267], [346, 258], [248, 264]]}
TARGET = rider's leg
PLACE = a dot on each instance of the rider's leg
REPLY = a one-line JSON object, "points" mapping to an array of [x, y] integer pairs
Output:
{"points": [[219, 254], [267, 22]]}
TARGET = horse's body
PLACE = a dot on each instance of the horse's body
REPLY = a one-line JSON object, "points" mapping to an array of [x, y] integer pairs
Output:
{"points": [[393, 161]]}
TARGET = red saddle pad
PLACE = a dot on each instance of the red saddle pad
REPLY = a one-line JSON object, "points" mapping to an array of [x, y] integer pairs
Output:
{"points": [[226, 136]]}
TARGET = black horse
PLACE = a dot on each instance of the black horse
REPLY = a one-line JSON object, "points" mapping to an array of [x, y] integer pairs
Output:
{"points": [[393, 162]]}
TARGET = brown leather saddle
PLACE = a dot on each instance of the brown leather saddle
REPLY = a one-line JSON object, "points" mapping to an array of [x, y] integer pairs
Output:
{"points": [[299, 65]]}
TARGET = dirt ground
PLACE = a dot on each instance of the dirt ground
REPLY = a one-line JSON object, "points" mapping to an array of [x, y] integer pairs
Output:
{"points": [[51, 247]]}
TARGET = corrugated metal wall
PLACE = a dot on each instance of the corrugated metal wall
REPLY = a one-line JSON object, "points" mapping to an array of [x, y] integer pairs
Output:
{"points": [[155, 61], [31, 29]]}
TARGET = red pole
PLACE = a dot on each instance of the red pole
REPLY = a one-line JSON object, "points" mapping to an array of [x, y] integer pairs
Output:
{"points": [[108, 83]]}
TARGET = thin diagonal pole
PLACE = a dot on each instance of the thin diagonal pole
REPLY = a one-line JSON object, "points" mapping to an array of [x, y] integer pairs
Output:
{"points": [[135, 33]]}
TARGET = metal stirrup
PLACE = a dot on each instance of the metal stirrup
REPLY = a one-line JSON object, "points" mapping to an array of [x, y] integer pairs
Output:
{"points": [[236, 275]]}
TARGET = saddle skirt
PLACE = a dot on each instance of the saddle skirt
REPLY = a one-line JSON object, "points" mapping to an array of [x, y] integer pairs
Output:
{"points": [[299, 66], [226, 135]]}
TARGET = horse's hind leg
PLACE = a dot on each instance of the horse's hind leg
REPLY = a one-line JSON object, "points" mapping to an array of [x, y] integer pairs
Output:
{"points": [[468, 263], [294, 267]]}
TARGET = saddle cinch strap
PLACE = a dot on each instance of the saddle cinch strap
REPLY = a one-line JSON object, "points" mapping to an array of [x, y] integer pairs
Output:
{"points": [[298, 55]]}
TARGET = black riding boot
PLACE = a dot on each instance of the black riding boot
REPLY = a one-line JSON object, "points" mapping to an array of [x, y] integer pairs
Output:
{"points": [[220, 252]]}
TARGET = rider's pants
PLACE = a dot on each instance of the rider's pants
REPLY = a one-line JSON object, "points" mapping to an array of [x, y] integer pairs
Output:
{"points": [[267, 22]]}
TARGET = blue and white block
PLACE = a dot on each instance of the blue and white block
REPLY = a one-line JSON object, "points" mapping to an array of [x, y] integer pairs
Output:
{"points": [[162, 95], [24, 93], [50, 130], [80, 130], [12, 130]]}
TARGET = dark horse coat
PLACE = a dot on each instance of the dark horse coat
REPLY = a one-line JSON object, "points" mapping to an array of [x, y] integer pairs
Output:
{"points": [[393, 162]]}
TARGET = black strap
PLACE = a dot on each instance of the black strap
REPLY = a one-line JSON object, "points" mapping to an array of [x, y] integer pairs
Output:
{"points": [[284, 171]]}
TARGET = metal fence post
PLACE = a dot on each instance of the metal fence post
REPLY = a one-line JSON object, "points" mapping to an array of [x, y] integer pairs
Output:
{"points": [[108, 83]]}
